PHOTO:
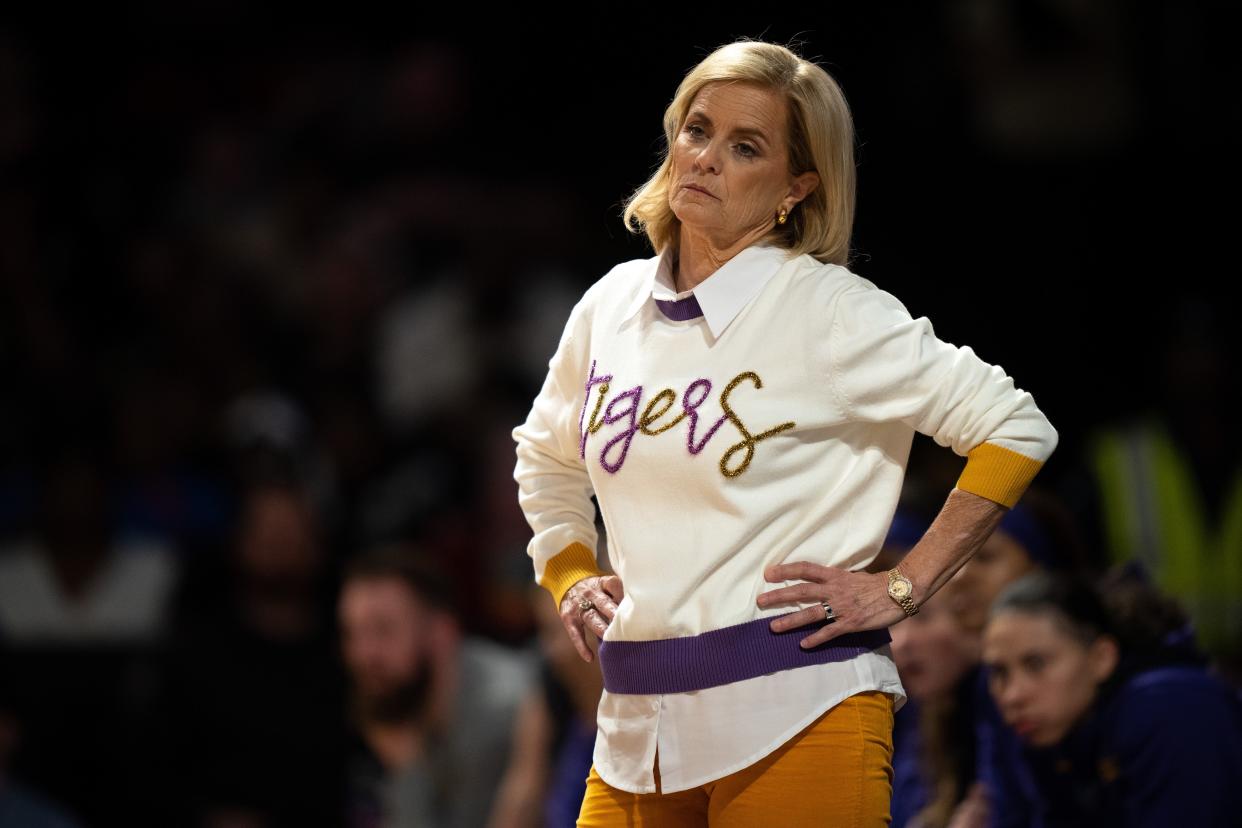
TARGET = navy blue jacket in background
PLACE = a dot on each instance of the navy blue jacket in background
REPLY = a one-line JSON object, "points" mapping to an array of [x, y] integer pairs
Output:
{"points": [[1162, 746]]}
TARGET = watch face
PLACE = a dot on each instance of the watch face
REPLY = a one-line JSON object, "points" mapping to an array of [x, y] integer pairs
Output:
{"points": [[899, 589]]}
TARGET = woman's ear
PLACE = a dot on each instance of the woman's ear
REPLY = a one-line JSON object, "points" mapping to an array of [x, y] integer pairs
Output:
{"points": [[801, 187], [1105, 654]]}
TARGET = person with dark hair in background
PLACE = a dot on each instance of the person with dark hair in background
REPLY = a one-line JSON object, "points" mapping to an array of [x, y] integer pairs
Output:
{"points": [[943, 738], [1036, 535], [933, 745], [431, 709], [253, 678], [1113, 718]]}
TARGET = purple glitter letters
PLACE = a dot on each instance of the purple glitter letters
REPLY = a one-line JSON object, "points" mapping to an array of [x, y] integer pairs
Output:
{"points": [[624, 407]]}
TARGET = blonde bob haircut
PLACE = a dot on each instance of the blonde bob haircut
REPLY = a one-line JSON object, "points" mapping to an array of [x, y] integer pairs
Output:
{"points": [[821, 138]]}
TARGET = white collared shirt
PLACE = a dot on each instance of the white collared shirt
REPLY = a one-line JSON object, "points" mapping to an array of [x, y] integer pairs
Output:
{"points": [[721, 295], [835, 377]]}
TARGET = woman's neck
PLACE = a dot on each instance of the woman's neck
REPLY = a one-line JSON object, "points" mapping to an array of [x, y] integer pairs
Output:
{"points": [[699, 256]]}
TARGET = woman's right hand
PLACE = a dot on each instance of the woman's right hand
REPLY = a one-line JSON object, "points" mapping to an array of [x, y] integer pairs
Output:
{"points": [[603, 591]]}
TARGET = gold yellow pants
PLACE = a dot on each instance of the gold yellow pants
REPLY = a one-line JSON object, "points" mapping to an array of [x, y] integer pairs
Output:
{"points": [[838, 771]]}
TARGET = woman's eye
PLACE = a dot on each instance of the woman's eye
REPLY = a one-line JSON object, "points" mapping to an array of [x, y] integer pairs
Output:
{"points": [[694, 129], [746, 149]]}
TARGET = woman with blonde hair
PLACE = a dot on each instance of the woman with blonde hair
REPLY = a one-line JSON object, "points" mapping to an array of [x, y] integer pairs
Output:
{"points": [[742, 406]]}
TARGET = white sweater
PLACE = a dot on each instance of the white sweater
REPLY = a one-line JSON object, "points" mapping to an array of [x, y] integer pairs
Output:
{"points": [[773, 428]]}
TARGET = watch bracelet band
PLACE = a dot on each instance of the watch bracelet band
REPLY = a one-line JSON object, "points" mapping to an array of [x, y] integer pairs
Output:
{"points": [[907, 602]]}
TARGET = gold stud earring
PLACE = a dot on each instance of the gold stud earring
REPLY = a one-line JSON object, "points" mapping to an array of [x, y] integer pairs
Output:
{"points": [[780, 219]]}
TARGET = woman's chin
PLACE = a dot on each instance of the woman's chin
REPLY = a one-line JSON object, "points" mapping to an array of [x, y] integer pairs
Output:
{"points": [[1039, 738], [698, 214]]}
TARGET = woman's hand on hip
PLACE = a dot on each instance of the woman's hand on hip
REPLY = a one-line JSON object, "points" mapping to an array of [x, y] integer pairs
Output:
{"points": [[859, 600], [603, 591]]}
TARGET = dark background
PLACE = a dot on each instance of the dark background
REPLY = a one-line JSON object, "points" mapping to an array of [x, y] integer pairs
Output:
{"points": [[202, 205]]}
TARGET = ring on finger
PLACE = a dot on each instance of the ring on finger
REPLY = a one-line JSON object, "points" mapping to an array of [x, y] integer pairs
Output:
{"points": [[829, 615]]}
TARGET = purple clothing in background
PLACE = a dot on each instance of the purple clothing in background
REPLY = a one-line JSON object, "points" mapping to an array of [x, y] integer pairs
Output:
{"points": [[909, 787], [1163, 746], [567, 786]]}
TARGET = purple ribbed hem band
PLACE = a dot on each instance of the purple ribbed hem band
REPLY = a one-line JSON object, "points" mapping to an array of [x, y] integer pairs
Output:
{"points": [[742, 651], [679, 310]]}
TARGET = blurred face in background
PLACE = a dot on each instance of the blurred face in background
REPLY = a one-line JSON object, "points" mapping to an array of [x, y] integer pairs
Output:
{"points": [[932, 651], [388, 644], [1042, 677], [999, 562], [278, 550]]}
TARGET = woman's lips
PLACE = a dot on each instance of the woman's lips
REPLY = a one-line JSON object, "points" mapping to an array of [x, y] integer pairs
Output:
{"points": [[1023, 727], [698, 190]]}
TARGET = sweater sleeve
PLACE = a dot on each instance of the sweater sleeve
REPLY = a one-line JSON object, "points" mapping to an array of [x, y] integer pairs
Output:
{"points": [[886, 365], [554, 489]]}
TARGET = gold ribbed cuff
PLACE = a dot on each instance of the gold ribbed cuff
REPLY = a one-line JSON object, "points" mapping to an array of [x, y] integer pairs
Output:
{"points": [[566, 568], [997, 473]]}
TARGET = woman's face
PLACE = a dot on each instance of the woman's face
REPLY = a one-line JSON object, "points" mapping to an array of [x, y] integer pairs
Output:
{"points": [[1043, 679], [932, 651], [999, 562], [730, 163]]}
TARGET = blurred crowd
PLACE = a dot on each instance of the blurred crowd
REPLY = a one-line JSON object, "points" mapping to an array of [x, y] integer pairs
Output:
{"points": [[246, 340], [261, 559]]}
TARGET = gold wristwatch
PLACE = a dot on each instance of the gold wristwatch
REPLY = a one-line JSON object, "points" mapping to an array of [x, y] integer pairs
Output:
{"points": [[902, 591]]}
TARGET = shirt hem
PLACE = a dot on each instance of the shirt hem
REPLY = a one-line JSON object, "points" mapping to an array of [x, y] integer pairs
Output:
{"points": [[891, 688]]}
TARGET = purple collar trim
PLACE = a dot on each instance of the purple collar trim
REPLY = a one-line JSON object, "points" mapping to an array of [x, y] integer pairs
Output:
{"points": [[679, 310], [723, 656]]}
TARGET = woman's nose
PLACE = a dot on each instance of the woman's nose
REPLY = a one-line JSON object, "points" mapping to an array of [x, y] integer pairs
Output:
{"points": [[707, 159], [1014, 693]]}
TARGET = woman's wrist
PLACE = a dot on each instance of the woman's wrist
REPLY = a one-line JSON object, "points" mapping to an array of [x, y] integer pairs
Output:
{"points": [[965, 522]]}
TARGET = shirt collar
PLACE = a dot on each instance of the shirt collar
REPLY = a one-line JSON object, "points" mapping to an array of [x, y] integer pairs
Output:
{"points": [[721, 295]]}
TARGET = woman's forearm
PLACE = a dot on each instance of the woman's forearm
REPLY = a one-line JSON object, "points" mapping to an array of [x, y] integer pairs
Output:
{"points": [[964, 523]]}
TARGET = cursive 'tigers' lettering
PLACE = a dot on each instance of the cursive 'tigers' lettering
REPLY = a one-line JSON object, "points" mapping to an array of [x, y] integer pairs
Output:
{"points": [[654, 418]]}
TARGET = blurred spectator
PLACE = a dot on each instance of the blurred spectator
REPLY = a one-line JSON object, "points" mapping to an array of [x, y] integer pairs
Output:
{"points": [[254, 688], [73, 580], [434, 319], [432, 709], [1107, 724], [158, 422], [554, 736], [944, 742], [933, 745], [85, 612], [1037, 533], [934, 760]]}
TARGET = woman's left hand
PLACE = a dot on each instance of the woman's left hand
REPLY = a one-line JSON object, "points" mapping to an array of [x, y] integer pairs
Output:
{"points": [[860, 600]]}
